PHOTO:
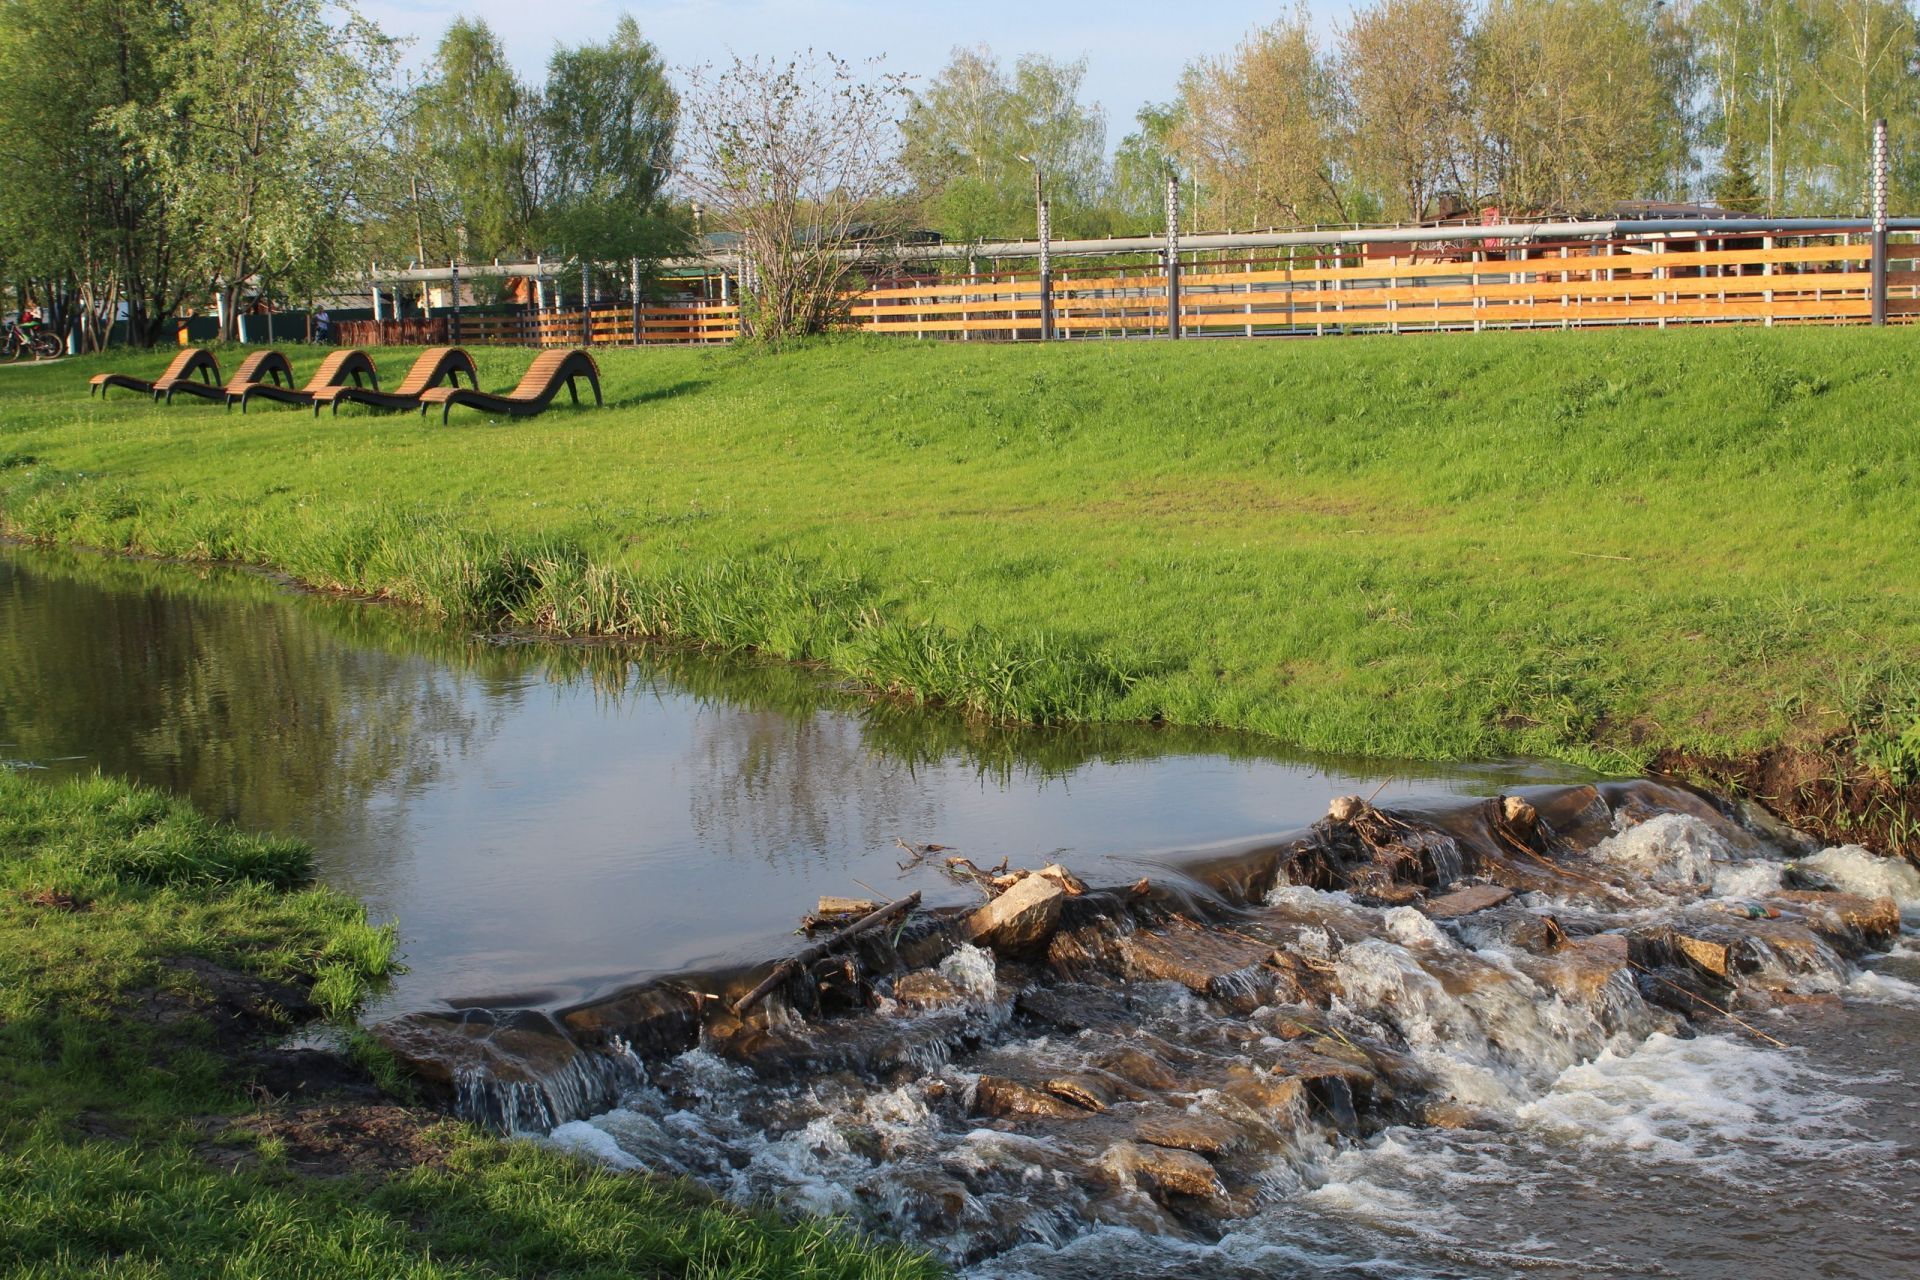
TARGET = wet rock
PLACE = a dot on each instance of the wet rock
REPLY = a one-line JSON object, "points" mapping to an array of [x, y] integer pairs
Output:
{"points": [[1269, 1095], [1579, 968], [1091, 1090], [657, 1020], [1070, 884], [1346, 808], [1164, 1126], [927, 989], [519, 1047], [1138, 1068], [1850, 921], [1076, 1006], [1465, 901], [1000, 1097], [1205, 961], [1166, 1170], [1020, 919]]}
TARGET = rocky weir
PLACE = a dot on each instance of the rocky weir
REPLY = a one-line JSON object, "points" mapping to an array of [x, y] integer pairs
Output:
{"points": [[1167, 1058]]}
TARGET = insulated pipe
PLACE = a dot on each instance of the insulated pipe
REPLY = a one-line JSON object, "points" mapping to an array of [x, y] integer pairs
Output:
{"points": [[1218, 240]]}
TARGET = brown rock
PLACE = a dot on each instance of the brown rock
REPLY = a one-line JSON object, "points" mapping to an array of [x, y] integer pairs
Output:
{"points": [[1875, 919], [1268, 1094], [1465, 901], [1187, 1130], [1518, 813], [999, 1096], [1071, 884], [1198, 959], [1578, 969], [1022, 917], [1083, 1089], [927, 989], [1346, 808], [654, 1019], [1139, 1069], [1169, 1171], [1709, 955]]}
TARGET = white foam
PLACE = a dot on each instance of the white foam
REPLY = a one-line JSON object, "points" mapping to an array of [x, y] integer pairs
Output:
{"points": [[1755, 879], [1673, 850], [582, 1139], [1855, 870], [1715, 1102], [970, 969], [1883, 988], [1411, 928]]}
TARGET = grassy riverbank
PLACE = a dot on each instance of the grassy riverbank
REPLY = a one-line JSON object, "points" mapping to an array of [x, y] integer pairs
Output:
{"points": [[1596, 546], [148, 1127]]}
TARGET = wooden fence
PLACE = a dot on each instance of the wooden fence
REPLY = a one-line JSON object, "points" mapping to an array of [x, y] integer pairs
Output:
{"points": [[1660, 282]]}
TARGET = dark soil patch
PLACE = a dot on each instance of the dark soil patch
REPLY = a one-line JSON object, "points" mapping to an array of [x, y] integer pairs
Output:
{"points": [[240, 1008], [333, 1139], [1820, 791]]}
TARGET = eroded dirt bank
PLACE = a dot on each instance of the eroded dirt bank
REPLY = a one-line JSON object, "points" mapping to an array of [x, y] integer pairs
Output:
{"points": [[1166, 1057]]}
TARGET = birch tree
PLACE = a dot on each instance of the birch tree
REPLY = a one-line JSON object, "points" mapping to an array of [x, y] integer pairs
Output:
{"points": [[801, 160]]}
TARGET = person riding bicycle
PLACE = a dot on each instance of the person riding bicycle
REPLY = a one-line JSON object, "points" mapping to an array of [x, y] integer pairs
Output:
{"points": [[30, 318]]}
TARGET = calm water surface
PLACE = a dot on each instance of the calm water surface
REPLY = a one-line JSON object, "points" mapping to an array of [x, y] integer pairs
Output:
{"points": [[542, 820]]}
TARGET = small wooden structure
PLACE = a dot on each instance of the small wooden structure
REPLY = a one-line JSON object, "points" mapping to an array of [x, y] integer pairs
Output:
{"points": [[549, 371], [190, 362], [333, 371]]}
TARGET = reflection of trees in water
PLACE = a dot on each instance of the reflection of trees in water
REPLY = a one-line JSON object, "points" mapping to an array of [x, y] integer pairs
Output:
{"points": [[312, 714], [226, 691], [774, 786]]}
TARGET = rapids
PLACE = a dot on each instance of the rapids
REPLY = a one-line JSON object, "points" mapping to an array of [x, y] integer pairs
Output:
{"points": [[1322, 1059]]}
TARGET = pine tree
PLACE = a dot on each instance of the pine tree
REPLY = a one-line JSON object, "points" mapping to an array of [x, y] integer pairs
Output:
{"points": [[1736, 188]]}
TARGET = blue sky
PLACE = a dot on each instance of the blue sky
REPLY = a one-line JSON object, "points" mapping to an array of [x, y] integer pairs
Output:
{"points": [[1134, 48]]}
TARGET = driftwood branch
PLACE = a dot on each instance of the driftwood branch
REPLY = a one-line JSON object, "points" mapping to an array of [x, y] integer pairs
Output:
{"points": [[898, 907]]}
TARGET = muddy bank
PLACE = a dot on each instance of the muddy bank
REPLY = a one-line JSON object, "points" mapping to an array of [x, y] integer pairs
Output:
{"points": [[1824, 791], [1163, 1058]]}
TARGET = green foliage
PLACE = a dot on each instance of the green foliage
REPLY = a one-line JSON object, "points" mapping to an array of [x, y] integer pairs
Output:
{"points": [[475, 142], [975, 136], [270, 118]]}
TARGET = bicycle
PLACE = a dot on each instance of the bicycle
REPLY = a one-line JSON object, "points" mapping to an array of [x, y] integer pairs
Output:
{"points": [[17, 340]]}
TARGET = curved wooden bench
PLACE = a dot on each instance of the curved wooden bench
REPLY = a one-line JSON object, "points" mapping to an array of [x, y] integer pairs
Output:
{"points": [[333, 371], [190, 361], [258, 367], [434, 366], [542, 381]]}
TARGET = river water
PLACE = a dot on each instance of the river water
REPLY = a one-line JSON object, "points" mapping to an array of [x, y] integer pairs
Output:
{"points": [[548, 822]]}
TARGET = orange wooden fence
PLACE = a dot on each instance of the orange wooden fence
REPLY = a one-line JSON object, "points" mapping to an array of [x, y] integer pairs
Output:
{"points": [[1761, 280]]}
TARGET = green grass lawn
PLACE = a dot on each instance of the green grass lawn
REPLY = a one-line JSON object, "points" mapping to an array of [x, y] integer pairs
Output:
{"points": [[130, 1146], [1588, 545]]}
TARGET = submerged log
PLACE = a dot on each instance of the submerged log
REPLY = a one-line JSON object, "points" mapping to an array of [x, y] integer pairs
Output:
{"points": [[808, 955]]}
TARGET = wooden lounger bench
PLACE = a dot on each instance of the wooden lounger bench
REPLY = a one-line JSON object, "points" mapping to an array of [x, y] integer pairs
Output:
{"points": [[434, 366], [258, 367], [333, 371], [549, 371], [190, 361]]}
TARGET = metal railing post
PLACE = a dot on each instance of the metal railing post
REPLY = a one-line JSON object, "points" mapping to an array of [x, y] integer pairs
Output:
{"points": [[1879, 222], [636, 302], [1046, 269], [454, 279], [1173, 257], [586, 304]]}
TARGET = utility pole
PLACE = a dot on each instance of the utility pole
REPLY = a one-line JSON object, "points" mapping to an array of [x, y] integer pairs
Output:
{"points": [[1173, 255], [1879, 222]]}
